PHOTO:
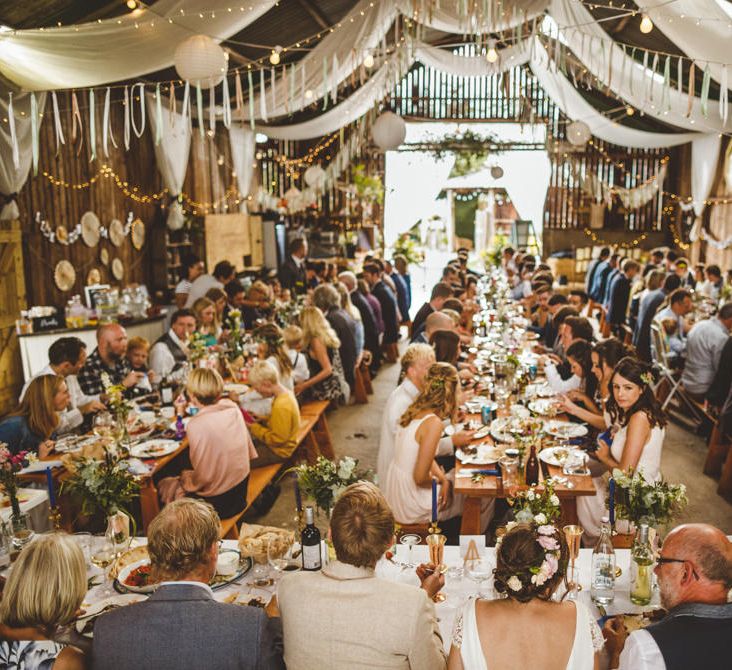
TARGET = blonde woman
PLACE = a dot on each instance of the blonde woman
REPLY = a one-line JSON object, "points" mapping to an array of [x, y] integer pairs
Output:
{"points": [[271, 347], [409, 476], [327, 381], [207, 321], [349, 308], [44, 591], [220, 449]]}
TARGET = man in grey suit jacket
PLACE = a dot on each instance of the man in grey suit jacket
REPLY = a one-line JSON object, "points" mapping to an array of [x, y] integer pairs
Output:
{"points": [[181, 625]]}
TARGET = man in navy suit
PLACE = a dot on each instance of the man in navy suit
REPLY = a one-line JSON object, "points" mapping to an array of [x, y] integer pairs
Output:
{"points": [[620, 294]]}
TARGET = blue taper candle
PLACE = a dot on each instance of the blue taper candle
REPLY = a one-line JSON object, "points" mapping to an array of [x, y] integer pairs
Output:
{"points": [[611, 501], [434, 499], [51, 493]]}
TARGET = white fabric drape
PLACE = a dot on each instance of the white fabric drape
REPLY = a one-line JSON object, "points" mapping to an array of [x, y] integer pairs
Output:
{"points": [[629, 80], [242, 143], [472, 66], [706, 42], [92, 54], [171, 155], [528, 194], [704, 157], [12, 179], [575, 107]]}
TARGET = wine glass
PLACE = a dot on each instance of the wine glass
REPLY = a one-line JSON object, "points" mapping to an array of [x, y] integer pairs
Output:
{"points": [[103, 425], [480, 570], [436, 546], [283, 557], [409, 540], [573, 534], [102, 555]]}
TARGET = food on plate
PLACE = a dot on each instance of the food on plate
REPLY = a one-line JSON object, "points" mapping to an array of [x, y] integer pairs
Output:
{"points": [[254, 540], [139, 576], [128, 558]]}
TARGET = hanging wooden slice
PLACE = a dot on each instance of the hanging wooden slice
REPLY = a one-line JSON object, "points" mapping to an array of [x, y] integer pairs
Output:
{"points": [[90, 229], [64, 276], [62, 234], [118, 269], [137, 234], [94, 277], [116, 232], [104, 256]]}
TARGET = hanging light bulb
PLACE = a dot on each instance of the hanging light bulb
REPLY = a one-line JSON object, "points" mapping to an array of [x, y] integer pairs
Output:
{"points": [[274, 57], [132, 4], [646, 25], [492, 55], [308, 95], [629, 110], [368, 61]]}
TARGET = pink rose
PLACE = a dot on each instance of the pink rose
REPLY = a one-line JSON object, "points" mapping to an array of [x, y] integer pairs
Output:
{"points": [[548, 543], [546, 530]]}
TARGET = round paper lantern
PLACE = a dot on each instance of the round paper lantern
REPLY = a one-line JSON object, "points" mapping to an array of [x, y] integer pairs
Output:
{"points": [[200, 59], [578, 132], [389, 131], [315, 176], [496, 172]]}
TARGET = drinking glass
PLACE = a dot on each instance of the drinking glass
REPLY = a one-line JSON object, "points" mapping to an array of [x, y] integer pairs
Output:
{"points": [[283, 557], [6, 543], [509, 472], [22, 530], [409, 540], [480, 570], [102, 555], [436, 546], [103, 424], [575, 464]]}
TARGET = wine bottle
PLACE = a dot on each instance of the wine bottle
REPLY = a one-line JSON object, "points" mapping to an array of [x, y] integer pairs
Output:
{"points": [[603, 566], [310, 541], [532, 467], [641, 568], [166, 392]]}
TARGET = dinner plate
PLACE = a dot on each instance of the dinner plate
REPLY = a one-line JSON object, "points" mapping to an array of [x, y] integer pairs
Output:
{"points": [[499, 430], [565, 430], [531, 335], [555, 455], [72, 443], [520, 411], [154, 448], [482, 432], [543, 406], [124, 575], [542, 390], [85, 624], [485, 455]]}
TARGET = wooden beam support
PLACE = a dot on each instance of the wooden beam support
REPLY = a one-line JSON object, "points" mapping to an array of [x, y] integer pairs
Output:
{"points": [[312, 9]]}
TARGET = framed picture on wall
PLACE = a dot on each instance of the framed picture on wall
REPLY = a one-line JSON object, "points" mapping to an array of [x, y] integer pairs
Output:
{"points": [[90, 293]]}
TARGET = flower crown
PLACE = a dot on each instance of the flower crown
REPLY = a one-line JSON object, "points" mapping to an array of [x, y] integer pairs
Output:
{"points": [[272, 340], [647, 378], [539, 573]]}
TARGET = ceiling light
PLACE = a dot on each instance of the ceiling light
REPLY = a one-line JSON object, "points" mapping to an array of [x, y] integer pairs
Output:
{"points": [[629, 110], [274, 57], [492, 54], [308, 95], [368, 61], [646, 25], [132, 4]]}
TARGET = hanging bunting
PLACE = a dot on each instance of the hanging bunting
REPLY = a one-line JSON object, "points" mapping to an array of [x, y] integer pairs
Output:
{"points": [[251, 99], [293, 82], [286, 86], [211, 108], [705, 91], [690, 103], [723, 95], [141, 98], [632, 59], [273, 91], [302, 85], [172, 106], [239, 94], [665, 95], [92, 126], [34, 131], [76, 124], [262, 96], [158, 116], [199, 108], [186, 111], [105, 122], [57, 123], [226, 115], [680, 76], [325, 84], [653, 75], [334, 80], [127, 118], [649, 80]]}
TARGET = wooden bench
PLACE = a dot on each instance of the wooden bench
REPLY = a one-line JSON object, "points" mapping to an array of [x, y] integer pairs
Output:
{"points": [[391, 352], [259, 478], [321, 431], [307, 447], [360, 393], [366, 376]]}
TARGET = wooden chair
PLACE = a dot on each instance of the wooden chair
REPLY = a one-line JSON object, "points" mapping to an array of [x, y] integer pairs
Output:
{"points": [[259, 478], [320, 431], [717, 451], [391, 352], [359, 387], [366, 376]]}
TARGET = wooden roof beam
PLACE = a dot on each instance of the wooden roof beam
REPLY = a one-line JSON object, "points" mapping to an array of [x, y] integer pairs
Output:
{"points": [[320, 18]]}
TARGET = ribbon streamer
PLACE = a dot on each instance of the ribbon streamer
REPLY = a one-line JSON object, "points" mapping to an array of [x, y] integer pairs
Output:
{"points": [[172, 105], [186, 111], [92, 126], [262, 97], [251, 99], [333, 80], [691, 90], [665, 97], [127, 118], [211, 107], [57, 123], [34, 131], [105, 123], [158, 116], [325, 84], [76, 124], [227, 104], [273, 91], [239, 98], [138, 133], [199, 108], [705, 90], [723, 95]]}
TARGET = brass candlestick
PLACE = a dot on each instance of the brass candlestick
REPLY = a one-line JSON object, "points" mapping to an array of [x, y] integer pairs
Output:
{"points": [[54, 517]]}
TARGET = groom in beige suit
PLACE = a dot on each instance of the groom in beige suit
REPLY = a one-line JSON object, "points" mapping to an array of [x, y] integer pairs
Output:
{"points": [[346, 617]]}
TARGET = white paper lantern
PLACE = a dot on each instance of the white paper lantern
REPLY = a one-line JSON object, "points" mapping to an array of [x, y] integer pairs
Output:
{"points": [[578, 133], [315, 176], [200, 59], [389, 131], [496, 172]]}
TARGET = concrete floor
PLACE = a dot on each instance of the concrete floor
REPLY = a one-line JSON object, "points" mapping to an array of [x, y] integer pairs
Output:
{"points": [[356, 430]]}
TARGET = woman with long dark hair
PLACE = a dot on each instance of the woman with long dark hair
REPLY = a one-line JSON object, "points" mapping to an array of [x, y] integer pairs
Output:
{"points": [[637, 436]]}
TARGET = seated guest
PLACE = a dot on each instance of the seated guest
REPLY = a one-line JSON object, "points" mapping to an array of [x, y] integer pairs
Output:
{"points": [[348, 307], [558, 319], [579, 359], [681, 268], [327, 299], [257, 304], [556, 302], [219, 298], [507, 258], [292, 273], [617, 312], [699, 276], [401, 629], [434, 322], [271, 347], [276, 438], [446, 344], [679, 305], [651, 282], [636, 443], [557, 368], [44, 592], [579, 300], [409, 477], [170, 352], [401, 266], [694, 572], [368, 319], [138, 350], [108, 357], [183, 543], [207, 324], [712, 286], [649, 305], [704, 350], [219, 446], [235, 298], [365, 291], [66, 356], [531, 563], [33, 425], [327, 380], [655, 262], [540, 310], [612, 275], [719, 389], [440, 293], [293, 341], [373, 275], [191, 269], [223, 273]]}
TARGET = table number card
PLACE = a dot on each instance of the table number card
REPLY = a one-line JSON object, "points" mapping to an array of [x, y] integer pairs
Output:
{"points": [[472, 544]]}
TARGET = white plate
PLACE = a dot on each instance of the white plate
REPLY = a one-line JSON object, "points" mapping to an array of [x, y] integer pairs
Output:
{"points": [[565, 430], [154, 448], [543, 390], [499, 430], [520, 411], [555, 455], [448, 431], [531, 335], [482, 432], [236, 388], [125, 573], [93, 611], [485, 455], [72, 443], [543, 406]]}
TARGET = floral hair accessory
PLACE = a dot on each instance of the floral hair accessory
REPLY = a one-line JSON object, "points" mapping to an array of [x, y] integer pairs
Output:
{"points": [[437, 384], [547, 537], [647, 378]]}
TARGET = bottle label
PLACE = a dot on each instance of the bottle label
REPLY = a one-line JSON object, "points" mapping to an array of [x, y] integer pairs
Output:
{"points": [[311, 557], [603, 572]]}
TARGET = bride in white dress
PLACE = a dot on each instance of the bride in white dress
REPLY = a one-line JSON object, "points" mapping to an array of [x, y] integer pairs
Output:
{"points": [[526, 629], [637, 443]]}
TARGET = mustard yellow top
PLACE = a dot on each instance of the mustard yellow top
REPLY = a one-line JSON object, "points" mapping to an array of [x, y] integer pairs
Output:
{"points": [[279, 433]]}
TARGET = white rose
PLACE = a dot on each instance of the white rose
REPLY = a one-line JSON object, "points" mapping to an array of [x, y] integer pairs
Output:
{"points": [[554, 500], [530, 495], [540, 518], [514, 583]]}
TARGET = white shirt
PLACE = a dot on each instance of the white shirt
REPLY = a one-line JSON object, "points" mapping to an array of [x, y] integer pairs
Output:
{"points": [[162, 360], [300, 369], [200, 287], [703, 351], [184, 287], [556, 382], [72, 417], [182, 582], [399, 401], [641, 653]]}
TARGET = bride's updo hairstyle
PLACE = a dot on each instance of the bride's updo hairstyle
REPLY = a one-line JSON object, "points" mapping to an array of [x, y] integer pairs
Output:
{"points": [[531, 562]]}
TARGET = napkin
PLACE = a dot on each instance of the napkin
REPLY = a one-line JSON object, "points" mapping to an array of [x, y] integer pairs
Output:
{"points": [[40, 466]]}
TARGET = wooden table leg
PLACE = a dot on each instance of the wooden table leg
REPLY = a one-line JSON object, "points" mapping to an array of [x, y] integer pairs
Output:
{"points": [[471, 517], [569, 511], [149, 503]]}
